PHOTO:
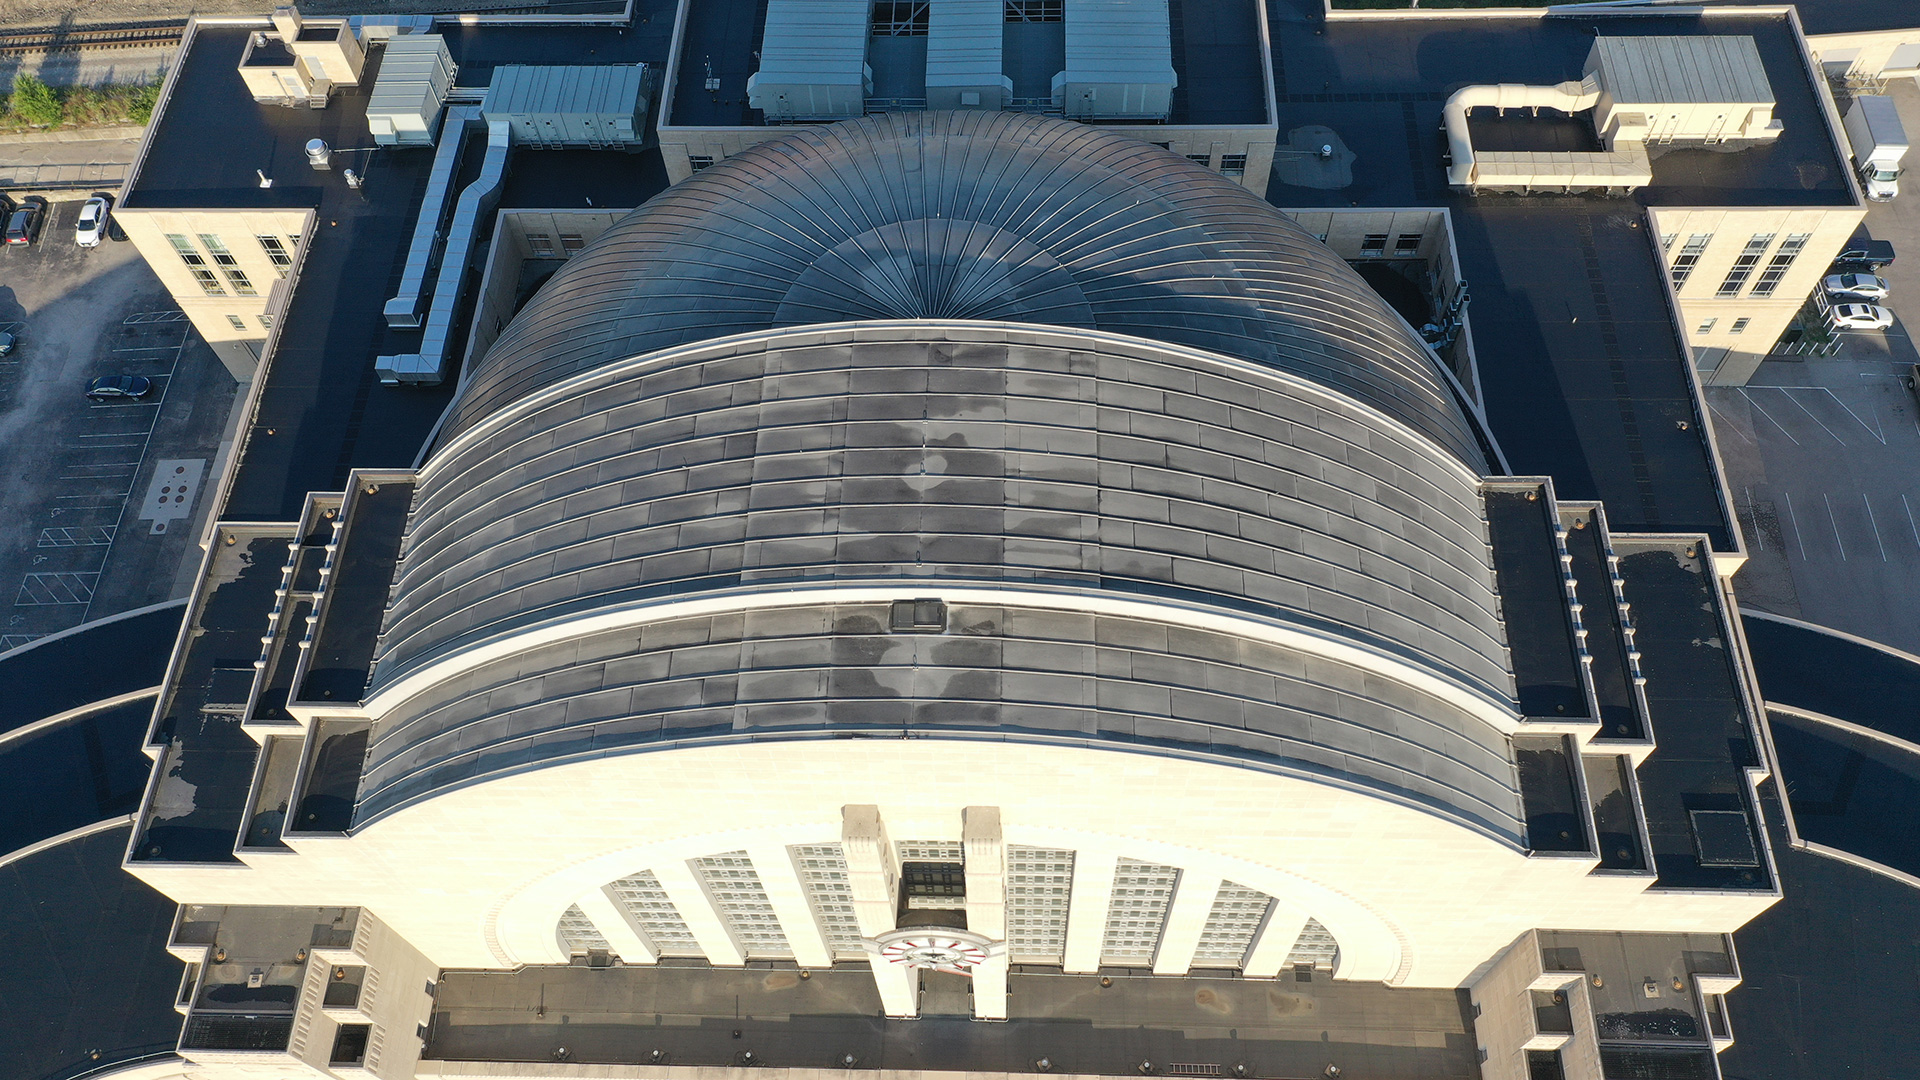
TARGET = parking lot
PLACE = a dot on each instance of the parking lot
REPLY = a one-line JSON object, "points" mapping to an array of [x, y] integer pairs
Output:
{"points": [[86, 529], [1823, 456]]}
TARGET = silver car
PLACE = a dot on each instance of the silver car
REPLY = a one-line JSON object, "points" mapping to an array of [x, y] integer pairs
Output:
{"points": [[93, 222], [1865, 286]]}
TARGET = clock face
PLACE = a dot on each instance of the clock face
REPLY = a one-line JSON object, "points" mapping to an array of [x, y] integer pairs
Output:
{"points": [[944, 952]]}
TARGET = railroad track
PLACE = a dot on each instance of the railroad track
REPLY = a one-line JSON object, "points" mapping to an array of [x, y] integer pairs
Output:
{"points": [[112, 37]]}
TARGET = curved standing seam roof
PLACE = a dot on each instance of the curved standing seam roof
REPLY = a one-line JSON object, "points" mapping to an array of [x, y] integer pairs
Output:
{"points": [[959, 453], [970, 215]]}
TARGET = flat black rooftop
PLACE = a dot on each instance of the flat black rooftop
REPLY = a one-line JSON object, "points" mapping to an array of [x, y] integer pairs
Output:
{"points": [[1849, 791], [66, 672], [1795, 664], [1216, 56], [703, 1016]]}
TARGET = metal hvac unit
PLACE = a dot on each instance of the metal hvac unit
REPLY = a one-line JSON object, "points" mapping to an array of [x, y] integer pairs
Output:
{"points": [[415, 74], [813, 61], [1119, 61], [600, 106]]}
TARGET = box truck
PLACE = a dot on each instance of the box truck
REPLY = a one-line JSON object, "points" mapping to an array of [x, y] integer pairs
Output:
{"points": [[1879, 142]]}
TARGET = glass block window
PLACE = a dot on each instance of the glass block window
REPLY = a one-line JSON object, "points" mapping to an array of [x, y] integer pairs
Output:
{"points": [[190, 255], [228, 264], [743, 905], [1137, 912], [1039, 890], [578, 933], [930, 851], [277, 252], [647, 904], [1690, 253], [1781, 262], [1743, 264], [1231, 925], [823, 874], [1315, 946]]}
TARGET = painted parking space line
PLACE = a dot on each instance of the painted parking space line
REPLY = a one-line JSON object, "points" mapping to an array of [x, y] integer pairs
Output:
{"points": [[63, 589], [76, 536], [1761, 409], [1815, 419], [1835, 522], [1874, 524], [1911, 524], [1795, 518]]}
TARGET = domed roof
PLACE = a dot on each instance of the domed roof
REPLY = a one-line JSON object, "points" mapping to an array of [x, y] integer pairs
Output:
{"points": [[970, 215]]}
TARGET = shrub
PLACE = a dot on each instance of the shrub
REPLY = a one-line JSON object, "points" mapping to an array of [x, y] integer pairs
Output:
{"points": [[141, 102], [35, 102]]}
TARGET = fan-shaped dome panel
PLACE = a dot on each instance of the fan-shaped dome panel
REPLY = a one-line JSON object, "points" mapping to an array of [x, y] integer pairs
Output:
{"points": [[970, 215]]}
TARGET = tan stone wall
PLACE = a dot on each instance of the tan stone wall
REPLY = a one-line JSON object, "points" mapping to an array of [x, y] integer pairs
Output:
{"points": [[1709, 320], [239, 346]]}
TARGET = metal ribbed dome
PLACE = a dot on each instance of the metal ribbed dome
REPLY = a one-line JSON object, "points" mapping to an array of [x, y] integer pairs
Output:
{"points": [[970, 215]]}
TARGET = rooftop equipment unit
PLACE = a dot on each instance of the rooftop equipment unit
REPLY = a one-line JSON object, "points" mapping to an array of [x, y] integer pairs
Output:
{"points": [[813, 61], [964, 43], [1119, 61], [415, 75], [600, 106], [1694, 90]]}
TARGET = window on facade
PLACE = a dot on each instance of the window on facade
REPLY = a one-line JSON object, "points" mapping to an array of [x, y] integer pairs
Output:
{"points": [[1407, 243], [541, 245], [572, 242], [1231, 926], [266, 322], [899, 18], [823, 874], [1314, 948], [1683, 263], [1781, 262], [1137, 912], [1039, 892], [228, 264], [1233, 165], [1667, 239], [647, 904], [1705, 327], [277, 252], [190, 255], [236, 322], [700, 161], [1374, 244], [578, 934], [1739, 326], [743, 905], [1743, 264], [1203, 159], [1035, 10]]}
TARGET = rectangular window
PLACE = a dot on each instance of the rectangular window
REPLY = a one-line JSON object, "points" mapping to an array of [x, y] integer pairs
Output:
{"points": [[1231, 926], [1035, 10], [1683, 263], [1374, 244], [1233, 165], [646, 901], [578, 933], [1203, 159], [198, 265], [541, 245], [743, 905], [266, 322], [1137, 912], [1739, 326], [276, 252], [572, 242], [700, 161], [1667, 239], [236, 322], [1039, 891], [1314, 948], [1781, 262], [1407, 243], [1705, 327], [823, 873], [1743, 265], [899, 18], [228, 265]]}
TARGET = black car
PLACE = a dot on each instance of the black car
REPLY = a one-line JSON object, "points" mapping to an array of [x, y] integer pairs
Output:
{"points": [[7, 206], [1861, 255], [112, 387], [23, 225], [8, 339]]}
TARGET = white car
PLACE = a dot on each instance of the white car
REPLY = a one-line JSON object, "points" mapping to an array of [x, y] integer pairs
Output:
{"points": [[93, 222], [1860, 317], [1865, 286]]}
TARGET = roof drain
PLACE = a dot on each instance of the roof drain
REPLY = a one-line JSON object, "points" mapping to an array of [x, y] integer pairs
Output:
{"points": [[428, 366]]}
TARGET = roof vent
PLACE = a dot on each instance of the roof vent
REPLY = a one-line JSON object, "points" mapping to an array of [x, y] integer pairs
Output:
{"points": [[922, 615]]}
